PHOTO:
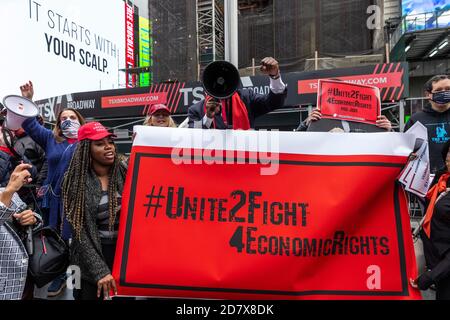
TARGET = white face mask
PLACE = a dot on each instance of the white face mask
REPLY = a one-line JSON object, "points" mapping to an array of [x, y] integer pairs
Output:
{"points": [[70, 128]]}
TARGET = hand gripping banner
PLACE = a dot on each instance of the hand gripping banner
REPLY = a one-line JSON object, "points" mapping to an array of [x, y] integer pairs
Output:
{"points": [[265, 215]]}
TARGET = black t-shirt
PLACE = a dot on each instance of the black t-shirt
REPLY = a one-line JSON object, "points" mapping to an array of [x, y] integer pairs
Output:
{"points": [[438, 128]]}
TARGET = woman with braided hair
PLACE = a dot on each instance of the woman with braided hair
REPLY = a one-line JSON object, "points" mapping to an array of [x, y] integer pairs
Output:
{"points": [[91, 191]]}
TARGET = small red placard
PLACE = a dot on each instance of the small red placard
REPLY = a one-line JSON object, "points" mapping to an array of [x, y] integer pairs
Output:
{"points": [[345, 101]]}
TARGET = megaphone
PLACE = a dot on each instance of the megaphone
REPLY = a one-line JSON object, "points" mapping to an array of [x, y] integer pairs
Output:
{"points": [[18, 110], [220, 79]]}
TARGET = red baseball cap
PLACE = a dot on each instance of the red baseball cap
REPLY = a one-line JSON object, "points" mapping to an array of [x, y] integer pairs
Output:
{"points": [[157, 107], [93, 131]]}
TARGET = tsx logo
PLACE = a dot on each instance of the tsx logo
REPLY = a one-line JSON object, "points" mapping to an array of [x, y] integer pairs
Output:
{"points": [[51, 107]]}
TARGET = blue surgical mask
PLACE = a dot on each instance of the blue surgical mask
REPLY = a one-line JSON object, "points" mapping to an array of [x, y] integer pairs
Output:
{"points": [[70, 128], [441, 97]]}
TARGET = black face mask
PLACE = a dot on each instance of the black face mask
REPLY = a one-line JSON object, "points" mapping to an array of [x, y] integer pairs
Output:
{"points": [[441, 97]]}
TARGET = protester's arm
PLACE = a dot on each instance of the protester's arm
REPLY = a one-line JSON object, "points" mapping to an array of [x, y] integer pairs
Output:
{"points": [[262, 104], [31, 126], [94, 263], [439, 272], [42, 175], [302, 126], [196, 120], [28, 218], [32, 170], [27, 90], [314, 116], [40, 156], [7, 211], [384, 123], [39, 221], [38, 133], [206, 122], [193, 116], [9, 200], [95, 266], [277, 86]]}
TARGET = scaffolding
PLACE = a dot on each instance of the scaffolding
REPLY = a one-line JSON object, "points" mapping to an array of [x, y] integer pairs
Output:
{"points": [[190, 34], [174, 39], [210, 31], [292, 31]]}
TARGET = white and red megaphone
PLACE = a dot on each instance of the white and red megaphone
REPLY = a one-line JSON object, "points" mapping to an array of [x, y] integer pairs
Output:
{"points": [[18, 110]]}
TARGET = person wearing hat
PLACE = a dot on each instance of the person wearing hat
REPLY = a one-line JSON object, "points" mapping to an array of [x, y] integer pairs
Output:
{"points": [[91, 193], [240, 110], [159, 116]]}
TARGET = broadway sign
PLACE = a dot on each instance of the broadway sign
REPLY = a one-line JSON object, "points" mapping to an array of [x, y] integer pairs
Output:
{"points": [[391, 79], [265, 215]]}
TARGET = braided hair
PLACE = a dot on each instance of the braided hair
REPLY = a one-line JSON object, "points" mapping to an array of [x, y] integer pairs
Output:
{"points": [[74, 187]]}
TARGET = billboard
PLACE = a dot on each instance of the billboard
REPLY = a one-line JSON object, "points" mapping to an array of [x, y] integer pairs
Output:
{"points": [[412, 7], [390, 78], [129, 44], [145, 46], [426, 14], [62, 46]]}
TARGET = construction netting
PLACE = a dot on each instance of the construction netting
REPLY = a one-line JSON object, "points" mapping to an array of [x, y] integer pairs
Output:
{"points": [[174, 39], [290, 30]]}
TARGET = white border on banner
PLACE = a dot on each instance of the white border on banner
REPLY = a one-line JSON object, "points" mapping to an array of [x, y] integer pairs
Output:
{"points": [[307, 143]]}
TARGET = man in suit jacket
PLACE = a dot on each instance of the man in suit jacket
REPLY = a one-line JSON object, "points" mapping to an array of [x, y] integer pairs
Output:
{"points": [[240, 111]]}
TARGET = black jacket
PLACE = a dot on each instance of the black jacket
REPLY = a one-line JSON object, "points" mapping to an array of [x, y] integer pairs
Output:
{"points": [[7, 166], [438, 126], [256, 104], [437, 247], [26, 146]]}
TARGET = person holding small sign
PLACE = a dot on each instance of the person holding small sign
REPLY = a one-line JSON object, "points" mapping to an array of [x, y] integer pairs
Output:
{"points": [[239, 111], [382, 122], [343, 103]]}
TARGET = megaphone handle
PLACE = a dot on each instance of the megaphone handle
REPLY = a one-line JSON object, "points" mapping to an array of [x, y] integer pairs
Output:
{"points": [[9, 142], [29, 241]]}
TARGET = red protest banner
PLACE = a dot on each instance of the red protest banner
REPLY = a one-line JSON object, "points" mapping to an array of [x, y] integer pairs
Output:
{"points": [[323, 227], [345, 101]]}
